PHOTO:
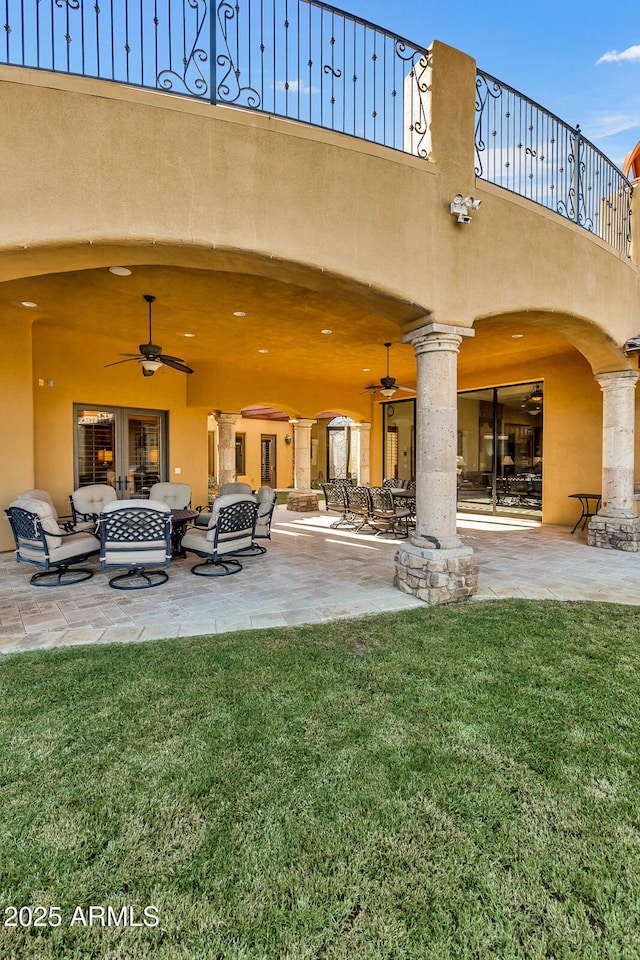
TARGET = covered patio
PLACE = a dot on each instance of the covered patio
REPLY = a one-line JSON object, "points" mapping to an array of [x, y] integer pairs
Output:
{"points": [[311, 574]]}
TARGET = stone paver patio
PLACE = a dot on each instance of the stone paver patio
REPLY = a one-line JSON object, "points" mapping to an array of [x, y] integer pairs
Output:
{"points": [[311, 574]]}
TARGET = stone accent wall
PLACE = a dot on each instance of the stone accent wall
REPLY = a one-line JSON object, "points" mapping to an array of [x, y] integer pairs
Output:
{"points": [[437, 577], [614, 533], [302, 502]]}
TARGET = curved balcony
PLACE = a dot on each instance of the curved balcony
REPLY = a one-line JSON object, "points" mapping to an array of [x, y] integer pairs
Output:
{"points": [[313, 63]]}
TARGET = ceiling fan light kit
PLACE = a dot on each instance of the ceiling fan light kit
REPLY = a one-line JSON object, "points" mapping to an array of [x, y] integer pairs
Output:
{"points": [[151, 357]]}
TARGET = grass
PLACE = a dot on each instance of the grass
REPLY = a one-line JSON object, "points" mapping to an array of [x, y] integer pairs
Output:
{"points": [[437, 784]]}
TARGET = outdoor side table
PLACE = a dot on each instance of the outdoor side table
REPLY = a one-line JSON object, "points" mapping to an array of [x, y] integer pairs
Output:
{"points": [[589, 505]]}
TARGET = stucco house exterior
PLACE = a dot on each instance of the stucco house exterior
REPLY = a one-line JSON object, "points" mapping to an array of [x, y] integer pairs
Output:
{"points": [[284, 250]]}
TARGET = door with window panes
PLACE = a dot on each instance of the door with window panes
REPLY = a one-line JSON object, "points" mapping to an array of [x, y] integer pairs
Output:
{"points": [[123, 447]]}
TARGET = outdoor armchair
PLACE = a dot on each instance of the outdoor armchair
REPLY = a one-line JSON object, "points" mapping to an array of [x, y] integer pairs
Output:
{"points": [[87, 503], [136, 534], [230, 531], [177, 496], [41, 541]]}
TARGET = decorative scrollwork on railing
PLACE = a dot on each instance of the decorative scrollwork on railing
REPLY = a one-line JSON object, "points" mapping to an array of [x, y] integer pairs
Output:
{"points": [[229, 89], [526, 149], [192, 80], [419, 111]]}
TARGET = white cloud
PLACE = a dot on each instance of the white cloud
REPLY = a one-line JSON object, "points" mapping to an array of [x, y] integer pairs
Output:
{"points": [[630, 55], [609, 125]]}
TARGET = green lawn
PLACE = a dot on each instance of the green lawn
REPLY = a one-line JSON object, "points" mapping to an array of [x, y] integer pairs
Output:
{"points": [[438, 784]]}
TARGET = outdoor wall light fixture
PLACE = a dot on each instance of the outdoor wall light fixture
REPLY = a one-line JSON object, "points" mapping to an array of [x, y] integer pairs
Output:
{"points": [[287, 438], [460, 207]]}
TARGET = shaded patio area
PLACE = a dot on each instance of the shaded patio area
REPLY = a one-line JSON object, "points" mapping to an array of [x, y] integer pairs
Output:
{"points": [[311, 574]]}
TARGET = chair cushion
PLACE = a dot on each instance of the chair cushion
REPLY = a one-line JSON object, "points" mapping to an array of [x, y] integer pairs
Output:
{"points": [[41, 495], [177, 496], [136, 502], [93, 497], [45, 512], [237, 487]]}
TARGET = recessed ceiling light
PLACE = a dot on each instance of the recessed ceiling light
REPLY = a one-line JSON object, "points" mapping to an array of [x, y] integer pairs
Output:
{"points": [[366, 369], [29, 304], [239, 313], [188, 334], [263, 351], [120, 271], [326, 331], [517, 336]]}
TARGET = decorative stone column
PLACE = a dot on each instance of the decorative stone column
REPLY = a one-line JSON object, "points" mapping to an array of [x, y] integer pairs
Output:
{"points": [[434, 564], [303, 499], [616, 525], [226, 446], [361, 447]]}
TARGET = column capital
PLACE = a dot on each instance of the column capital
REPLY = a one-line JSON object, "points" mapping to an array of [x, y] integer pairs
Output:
{"points": [[302, 422], [437, 336], [229, 418], [362, 427], [617, 378]]}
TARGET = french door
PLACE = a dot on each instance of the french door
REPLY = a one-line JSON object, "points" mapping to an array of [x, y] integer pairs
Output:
{"points": [[123, 447]]}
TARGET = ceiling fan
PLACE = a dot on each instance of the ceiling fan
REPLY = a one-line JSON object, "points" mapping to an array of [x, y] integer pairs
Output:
{"points": [[388, 386], [151, 357]]}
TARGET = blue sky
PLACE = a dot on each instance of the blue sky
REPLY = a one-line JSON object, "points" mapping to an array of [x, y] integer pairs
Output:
{"points": [[547, 51]]}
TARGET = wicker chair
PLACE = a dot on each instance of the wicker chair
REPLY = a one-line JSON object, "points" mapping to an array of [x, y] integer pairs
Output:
{"points": [[41, 541]]}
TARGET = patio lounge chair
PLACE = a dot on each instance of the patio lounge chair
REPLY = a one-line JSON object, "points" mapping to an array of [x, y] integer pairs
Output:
{"points": [[41, 541], [231, 531], [136, 534]]}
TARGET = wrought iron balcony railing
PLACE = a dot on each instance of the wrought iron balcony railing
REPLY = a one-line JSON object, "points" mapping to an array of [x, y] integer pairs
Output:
{"points": [[299, 59], [526, 149], [310, 62]]}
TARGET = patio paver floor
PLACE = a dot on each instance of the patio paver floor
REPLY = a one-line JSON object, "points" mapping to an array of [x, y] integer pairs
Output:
{"points": [[311, 574]]}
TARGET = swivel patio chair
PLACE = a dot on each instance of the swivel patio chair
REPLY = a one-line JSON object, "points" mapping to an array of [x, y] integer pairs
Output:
{"points": [[231, 531], [266, 499], [66, 522], [177, 496], [227, 489], [87, 503], [41, 541], [136, 534]]}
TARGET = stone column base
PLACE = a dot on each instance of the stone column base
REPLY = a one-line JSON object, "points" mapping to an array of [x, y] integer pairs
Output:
{"points": [[302, 502], [615, 533], [436, 576]]}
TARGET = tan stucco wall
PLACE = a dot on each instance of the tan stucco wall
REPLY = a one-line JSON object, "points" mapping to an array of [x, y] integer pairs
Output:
{"points": [[62, 358], [129, 167]]}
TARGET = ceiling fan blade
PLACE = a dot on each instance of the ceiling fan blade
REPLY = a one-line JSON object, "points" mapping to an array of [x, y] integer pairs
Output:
{"points": [[132, 356], [406, 389], [167, 356], [176, 364]]}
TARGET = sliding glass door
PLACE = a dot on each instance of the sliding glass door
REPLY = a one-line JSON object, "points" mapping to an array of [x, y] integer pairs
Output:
{"points": [[500, 433], [125, 448]]}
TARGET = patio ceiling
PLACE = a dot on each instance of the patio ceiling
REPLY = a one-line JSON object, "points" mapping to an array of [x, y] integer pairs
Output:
{"points": [[281, 326]]}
